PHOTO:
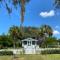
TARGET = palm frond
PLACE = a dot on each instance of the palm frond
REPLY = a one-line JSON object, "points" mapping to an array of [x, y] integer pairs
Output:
{"points": [[57, 3], [8, 8]]}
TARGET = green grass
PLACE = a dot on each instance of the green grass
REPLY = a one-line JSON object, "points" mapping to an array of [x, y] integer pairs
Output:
{"points": [[33, 57]]}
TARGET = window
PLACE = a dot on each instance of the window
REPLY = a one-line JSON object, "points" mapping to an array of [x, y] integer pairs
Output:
{"points": [[33, 42], [25, 42]]}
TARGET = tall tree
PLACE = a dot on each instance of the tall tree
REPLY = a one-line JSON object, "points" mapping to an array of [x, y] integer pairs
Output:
{"points": [[16, 34], [45, 31], [5, 41], [57, 4], [17, 4]]}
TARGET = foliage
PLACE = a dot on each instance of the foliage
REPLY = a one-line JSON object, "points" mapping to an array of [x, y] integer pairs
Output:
{"points": [[51, 42], [30, 32], [57, 4], [6, 53], [51, 51], [5, 41], [45, 31], [44, 35], [15, 3], [18, 4]]}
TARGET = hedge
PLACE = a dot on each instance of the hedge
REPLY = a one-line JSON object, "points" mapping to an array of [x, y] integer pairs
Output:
{"points": [[50, 52], [6, 53]]}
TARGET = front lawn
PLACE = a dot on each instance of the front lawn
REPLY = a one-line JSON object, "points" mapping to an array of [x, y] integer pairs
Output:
{"points": [[33, 57]]}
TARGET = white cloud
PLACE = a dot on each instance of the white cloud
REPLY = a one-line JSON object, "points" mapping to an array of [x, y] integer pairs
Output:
{"points": [[57, 27], [47, 14], [56, 32]]}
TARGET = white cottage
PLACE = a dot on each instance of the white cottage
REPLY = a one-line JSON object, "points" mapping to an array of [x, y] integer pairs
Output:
{"points": [[30, 45]]}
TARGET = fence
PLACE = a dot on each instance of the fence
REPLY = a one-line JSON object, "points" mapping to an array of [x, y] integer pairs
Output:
{"points": [[38, 51]]}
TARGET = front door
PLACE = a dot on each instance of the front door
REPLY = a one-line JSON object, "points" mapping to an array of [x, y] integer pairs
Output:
{"points": [[29, 49]]}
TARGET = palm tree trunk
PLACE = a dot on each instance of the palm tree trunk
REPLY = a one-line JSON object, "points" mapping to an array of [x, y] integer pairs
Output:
{"points": [[22, 14]]}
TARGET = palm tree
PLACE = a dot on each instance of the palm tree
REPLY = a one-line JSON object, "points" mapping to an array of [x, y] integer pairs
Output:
{"points": [[16, 35], [45, 31], [17, 4], [13, 32], [57, 4]]}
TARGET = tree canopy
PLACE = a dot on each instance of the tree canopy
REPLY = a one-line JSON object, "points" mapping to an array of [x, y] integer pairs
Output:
{"points": [[43, 34]]}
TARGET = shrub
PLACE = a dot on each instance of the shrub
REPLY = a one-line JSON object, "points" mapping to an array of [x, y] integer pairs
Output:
{"points": [[6, 53], [50, 52]]}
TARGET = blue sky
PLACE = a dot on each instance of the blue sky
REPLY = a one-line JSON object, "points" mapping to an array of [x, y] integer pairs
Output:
{"points": [[38, 12]]}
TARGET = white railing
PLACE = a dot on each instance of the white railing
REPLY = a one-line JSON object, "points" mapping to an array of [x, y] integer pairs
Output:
{"points": [[15, 51], [21, 50]]}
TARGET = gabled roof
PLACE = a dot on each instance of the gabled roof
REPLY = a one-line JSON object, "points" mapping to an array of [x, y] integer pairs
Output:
{"points": [[29, 39]]}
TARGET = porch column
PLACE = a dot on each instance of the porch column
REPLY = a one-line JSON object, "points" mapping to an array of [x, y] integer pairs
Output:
{"points": [[27, 43]]}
